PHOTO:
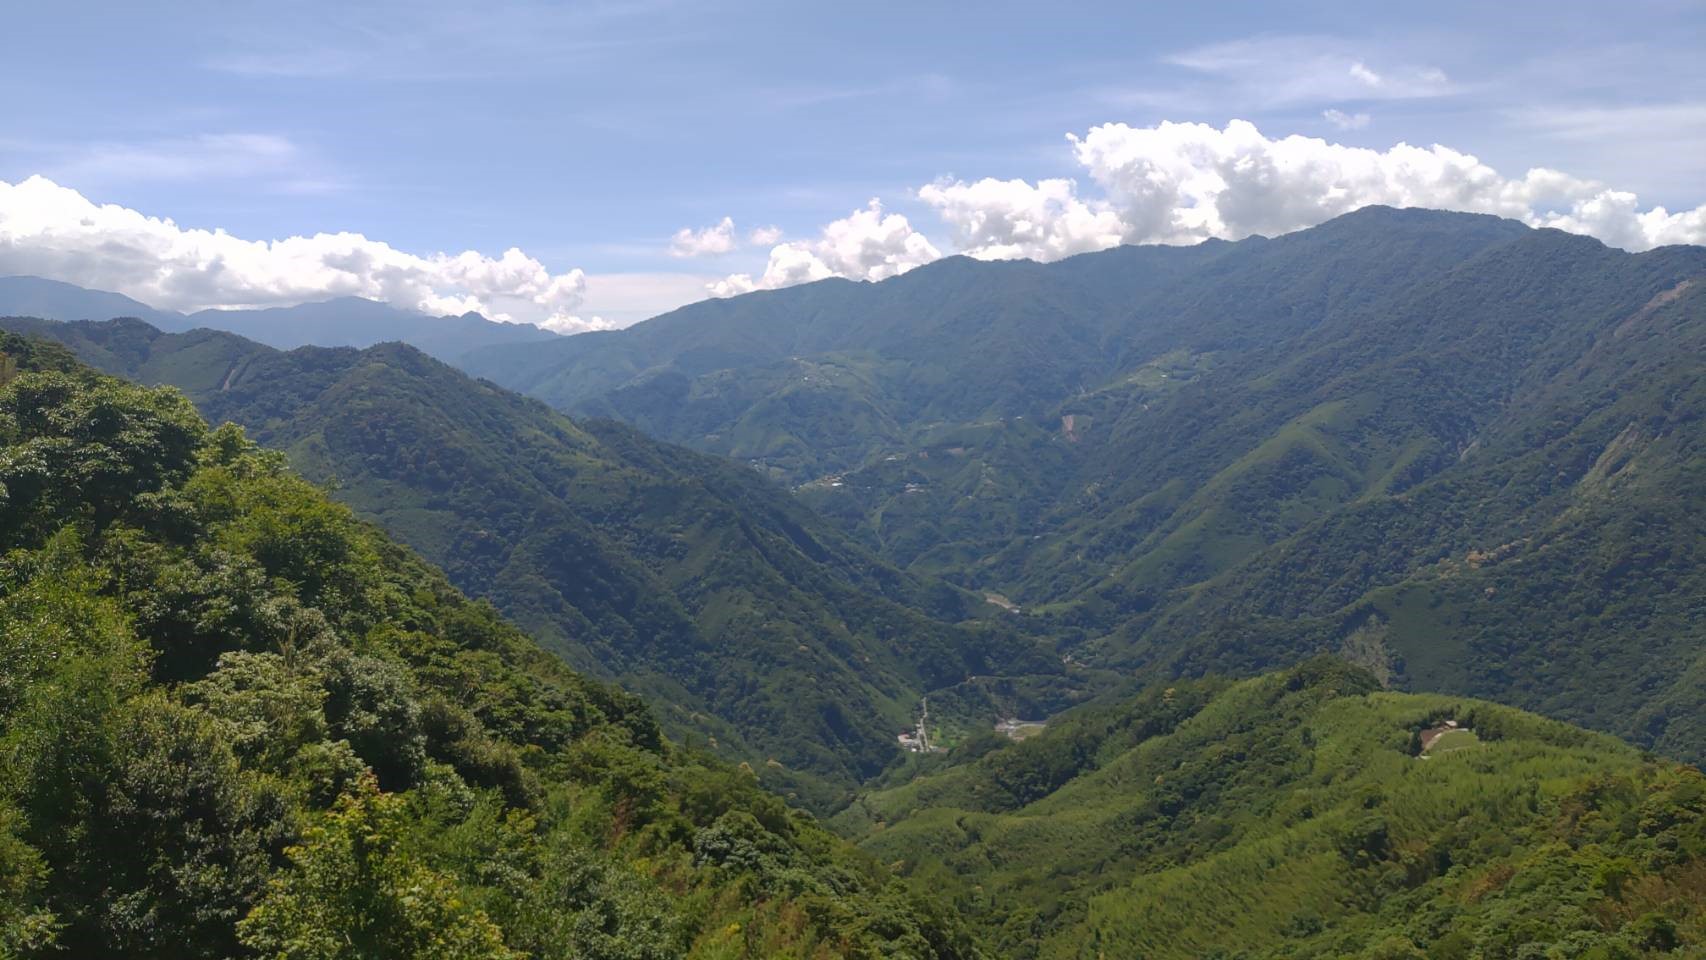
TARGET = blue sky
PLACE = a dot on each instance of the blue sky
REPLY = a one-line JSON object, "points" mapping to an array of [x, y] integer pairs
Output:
{"points": [[587, 135]]}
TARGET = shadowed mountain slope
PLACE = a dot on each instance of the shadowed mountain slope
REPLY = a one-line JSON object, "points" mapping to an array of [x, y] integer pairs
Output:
{"points": [[693, 581]]}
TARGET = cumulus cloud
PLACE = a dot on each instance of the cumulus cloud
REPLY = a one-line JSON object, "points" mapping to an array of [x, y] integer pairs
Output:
{"points": [[1167, 183], [1004, 219], [567, 324], [1346, 121], [864, 245], [52, 231], [711, 241], [1184, 182], [1188, 182]]}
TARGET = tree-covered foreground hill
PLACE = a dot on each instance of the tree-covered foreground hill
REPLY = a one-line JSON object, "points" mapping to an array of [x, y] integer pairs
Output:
{"points": [[235, 721], [1305, 814], [755, 627]]}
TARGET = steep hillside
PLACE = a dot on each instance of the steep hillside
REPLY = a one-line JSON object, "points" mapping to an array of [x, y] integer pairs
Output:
{"points": [[690, 580], [237, 721], [1306, 814], [1456, 448], [1553, 561]]}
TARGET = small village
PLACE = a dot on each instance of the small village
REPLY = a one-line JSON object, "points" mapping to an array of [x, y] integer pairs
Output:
{"points": [[917, 740]]}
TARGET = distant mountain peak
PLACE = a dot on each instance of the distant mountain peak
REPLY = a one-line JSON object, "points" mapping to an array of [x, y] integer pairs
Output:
{"points": [[348, 321]]}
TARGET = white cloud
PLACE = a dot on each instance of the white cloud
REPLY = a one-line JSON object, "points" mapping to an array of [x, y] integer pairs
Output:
{"points": [[52, 231], [1187, 182], [1346, 121], [1183, 182], [1360, 72], [1167, 183], [711, 241], [865, 245], [1003, 219], [566, 325]]}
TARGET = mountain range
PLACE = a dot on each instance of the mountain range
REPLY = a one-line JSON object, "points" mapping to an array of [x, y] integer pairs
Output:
{"points": [[341, 322], [1341, 594], [1461, 450], [1451, 447]]}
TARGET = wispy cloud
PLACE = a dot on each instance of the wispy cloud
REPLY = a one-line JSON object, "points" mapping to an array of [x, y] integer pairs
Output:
{"points": [[924, 86], [1305, 69], [1646, 123], [438, 40], [270, 162], [219, 155], [296, 63]]}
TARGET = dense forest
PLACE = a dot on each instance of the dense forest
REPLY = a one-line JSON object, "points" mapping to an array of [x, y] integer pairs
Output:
{"points": [[757, 628], [1304, 814], [237, 721]]}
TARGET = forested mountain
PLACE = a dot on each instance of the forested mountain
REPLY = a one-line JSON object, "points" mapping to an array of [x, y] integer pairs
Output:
{"points": [[1305, 814], [753, 625], [780, 377], [1463, 456], [1460, 450], [237, 721], [342, 322]]}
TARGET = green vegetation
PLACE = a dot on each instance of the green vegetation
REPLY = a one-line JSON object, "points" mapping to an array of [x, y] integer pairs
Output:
{"points": [[236, 721], [1209, 511], [757, 629], [1462, 452], [1292, 815]]}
